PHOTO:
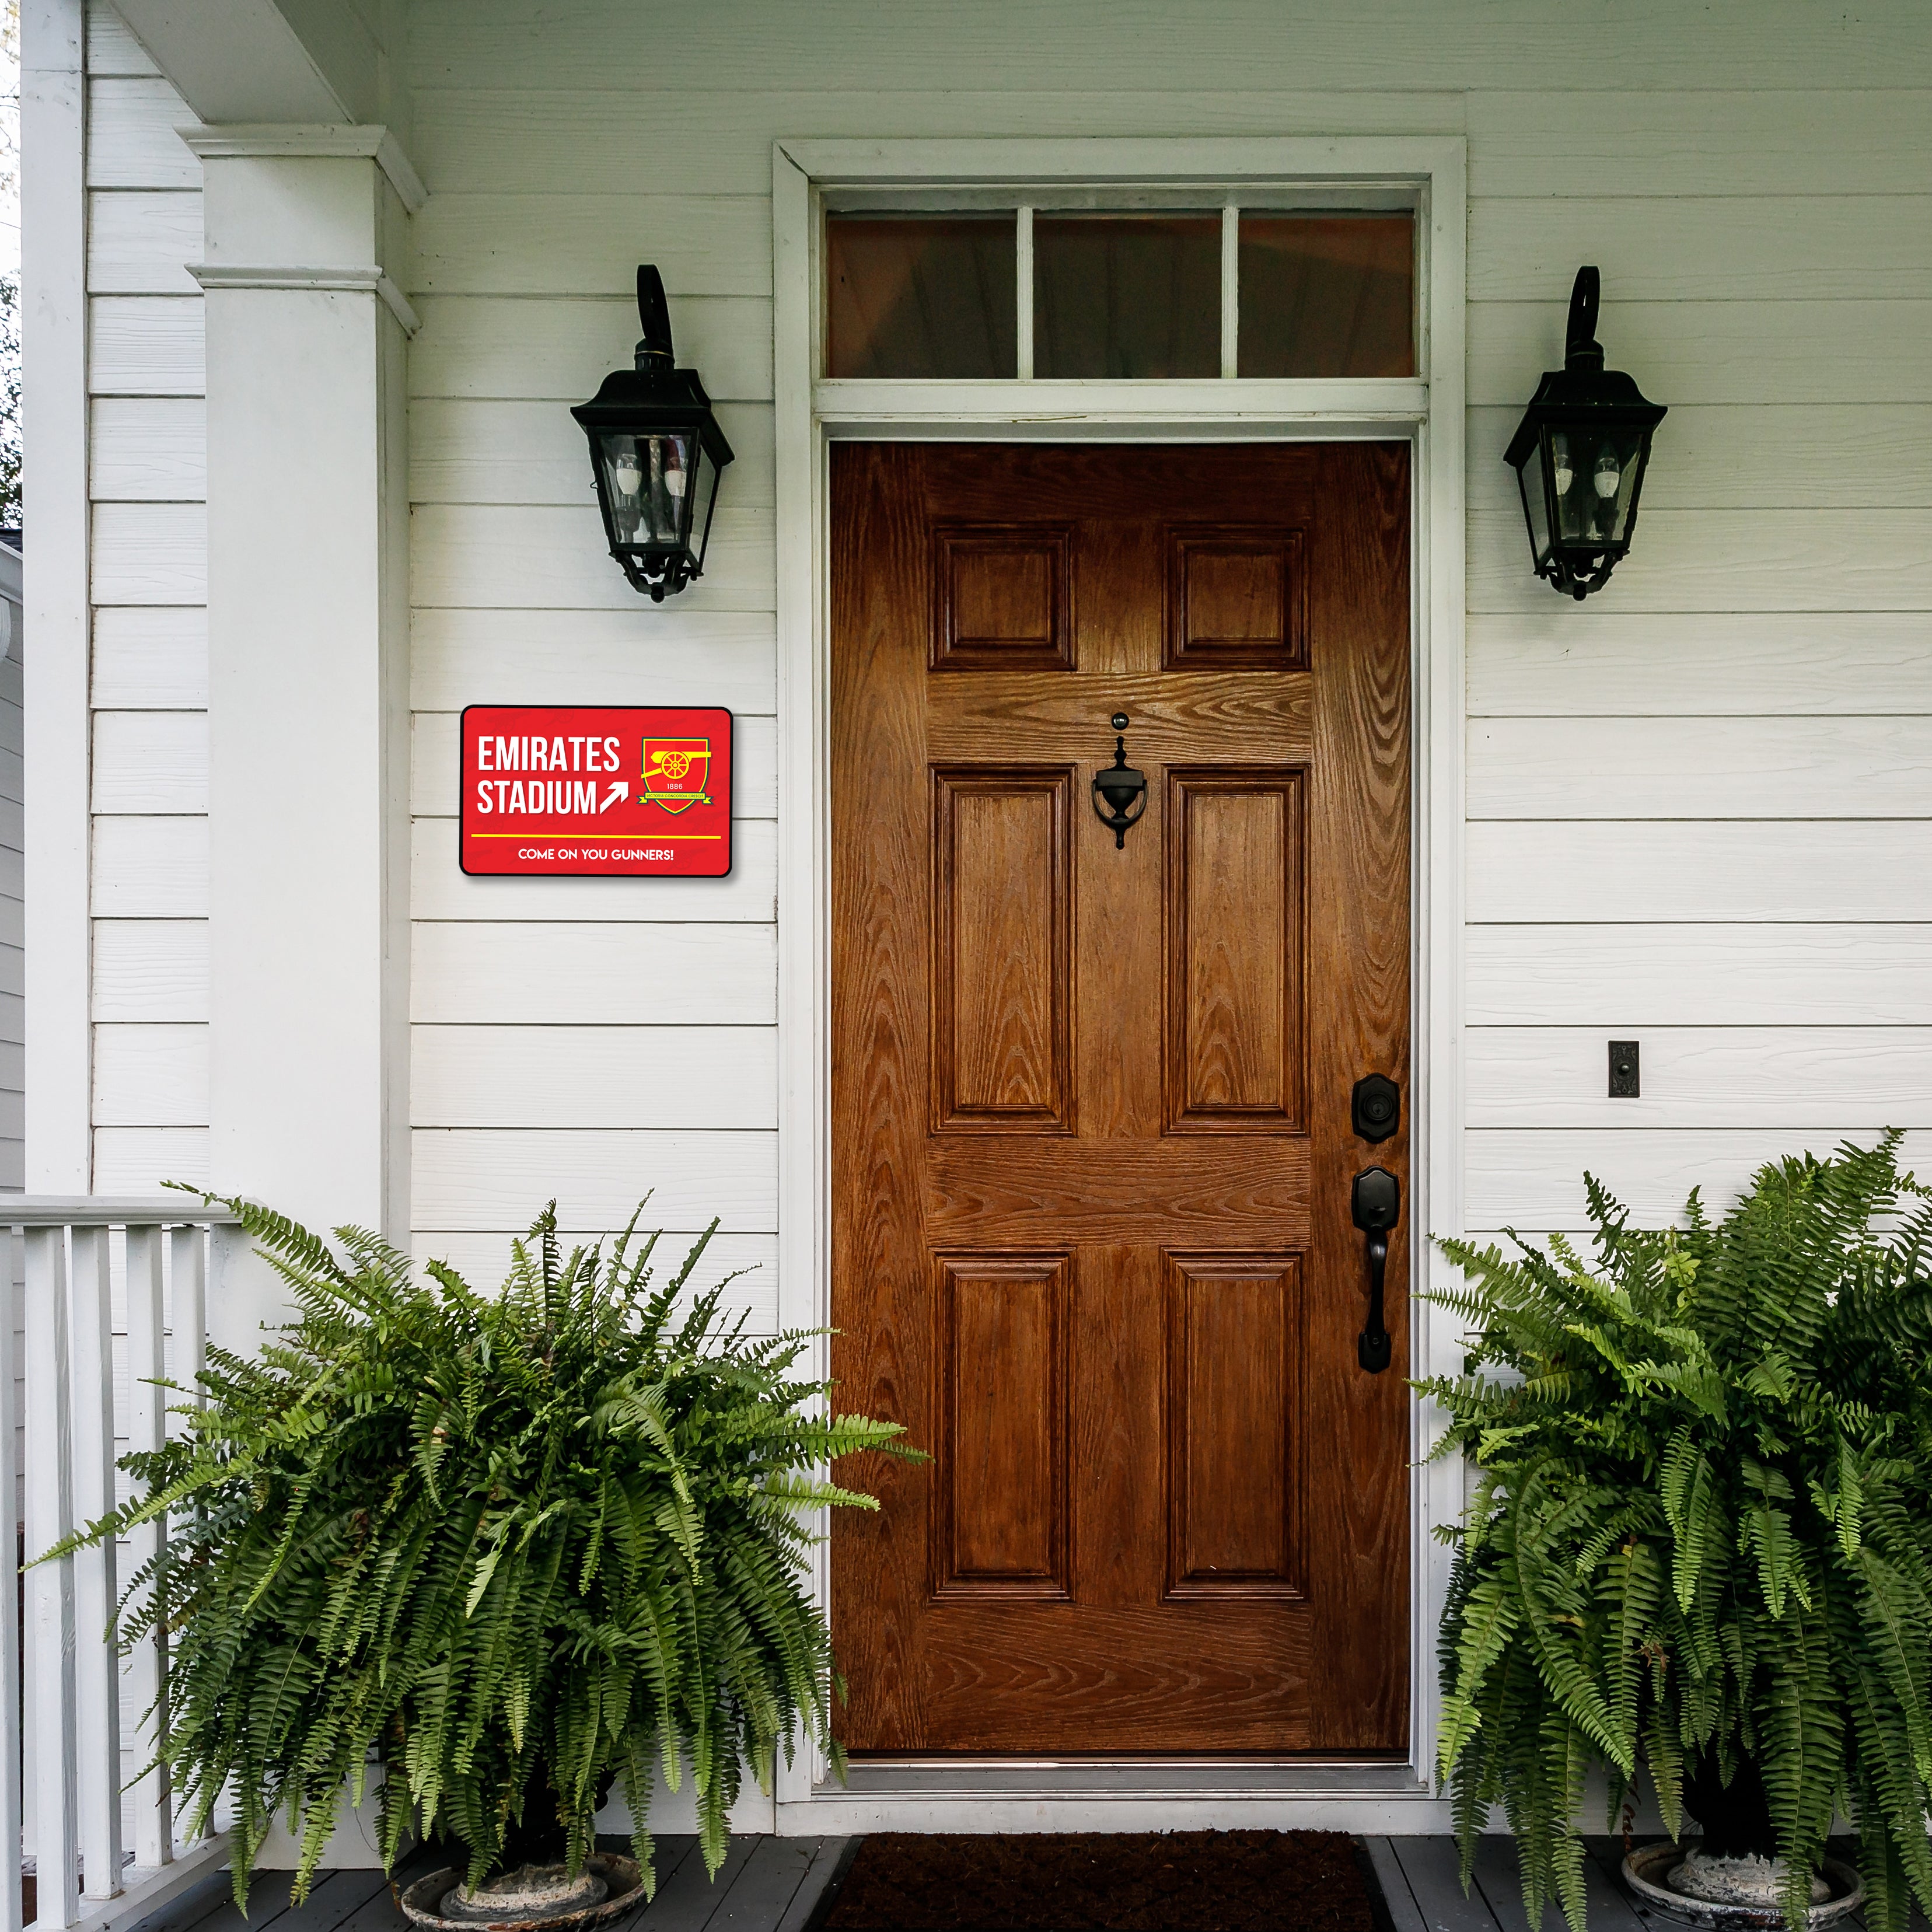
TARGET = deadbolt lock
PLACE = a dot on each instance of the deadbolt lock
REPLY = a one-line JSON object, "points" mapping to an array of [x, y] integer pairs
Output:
{"points": [[1376, 1108]]}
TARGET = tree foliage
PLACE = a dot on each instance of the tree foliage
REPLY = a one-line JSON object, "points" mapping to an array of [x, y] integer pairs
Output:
{"points": [[521, 1546], [1700, 1530], [10, 284], [11, 474]]}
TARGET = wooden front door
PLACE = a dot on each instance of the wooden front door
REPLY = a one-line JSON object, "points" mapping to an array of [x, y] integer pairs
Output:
{"points": [[1092, 1152]]}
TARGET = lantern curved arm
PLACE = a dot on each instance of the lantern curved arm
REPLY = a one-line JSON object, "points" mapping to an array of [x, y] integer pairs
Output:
{"points": [[654, 316], [1581, 348]]}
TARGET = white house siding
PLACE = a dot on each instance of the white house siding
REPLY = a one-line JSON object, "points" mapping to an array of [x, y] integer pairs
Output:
{"points": [[13, 906], [147, 463], [1695, 804]]}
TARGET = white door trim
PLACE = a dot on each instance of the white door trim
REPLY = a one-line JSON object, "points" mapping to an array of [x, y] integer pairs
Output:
{"points": [[1431, 170]]}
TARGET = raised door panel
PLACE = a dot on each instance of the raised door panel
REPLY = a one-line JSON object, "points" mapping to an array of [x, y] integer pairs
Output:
{"points": [[1234, 1415], [1237, 600], [1002, 597], [999, 1523], [1236, 965], [1002, 950]]}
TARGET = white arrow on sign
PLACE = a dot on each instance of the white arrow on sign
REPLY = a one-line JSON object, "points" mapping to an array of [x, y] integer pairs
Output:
{"points": [[618, 788]]}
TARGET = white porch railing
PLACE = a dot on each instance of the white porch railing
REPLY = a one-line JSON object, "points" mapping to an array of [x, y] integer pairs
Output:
{"points": [[87, 1723]]}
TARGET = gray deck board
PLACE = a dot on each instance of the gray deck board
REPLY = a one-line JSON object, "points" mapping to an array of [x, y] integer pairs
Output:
{"points": [[766, 1886], [777, 1885], [268, 1899], [829, 1863], [1405, 1915], [334, 1899], [191, 1908], [1499, 1876], [1430, 1866], [671, 1851], [688, 1901]]}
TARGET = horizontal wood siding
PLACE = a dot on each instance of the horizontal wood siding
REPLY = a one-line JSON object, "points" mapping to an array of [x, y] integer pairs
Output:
{"points": [[12, 911], [148, 469], [1697, 805]]}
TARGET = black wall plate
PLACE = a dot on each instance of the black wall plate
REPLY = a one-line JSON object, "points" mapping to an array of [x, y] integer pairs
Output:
{"points": [[1626, 1071]]}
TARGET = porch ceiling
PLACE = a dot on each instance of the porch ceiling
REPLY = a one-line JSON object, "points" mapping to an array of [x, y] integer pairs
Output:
{"points": [[304, 60]]}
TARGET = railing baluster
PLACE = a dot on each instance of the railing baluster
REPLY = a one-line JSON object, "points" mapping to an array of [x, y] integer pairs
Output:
{"points": [[188, 1267], [50, 1586], [61, 1782], [188, 1305], [147, 1414], [10, 1754], [97, 1662]]}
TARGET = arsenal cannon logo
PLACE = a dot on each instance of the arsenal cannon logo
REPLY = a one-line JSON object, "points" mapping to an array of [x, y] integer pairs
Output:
{"points": [[676, 773]]}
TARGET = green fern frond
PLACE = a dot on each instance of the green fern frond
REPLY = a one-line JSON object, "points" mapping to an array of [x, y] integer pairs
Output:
{"points": [[1699, 1533], [520, 1547]]}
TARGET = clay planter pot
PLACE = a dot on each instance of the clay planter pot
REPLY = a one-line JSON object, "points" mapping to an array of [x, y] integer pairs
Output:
{"points": [[532, 1898], [1648, 1870]]}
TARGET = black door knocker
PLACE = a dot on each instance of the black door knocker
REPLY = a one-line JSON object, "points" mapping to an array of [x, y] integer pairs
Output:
{"points": [[1116, 786]]}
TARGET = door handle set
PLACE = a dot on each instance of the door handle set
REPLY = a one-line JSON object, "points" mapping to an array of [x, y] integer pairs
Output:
{"points": [[1377, 1204], [1375, 1112]]}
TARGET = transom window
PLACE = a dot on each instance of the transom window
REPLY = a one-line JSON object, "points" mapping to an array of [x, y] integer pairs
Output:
{"points": [[1032, 293]]}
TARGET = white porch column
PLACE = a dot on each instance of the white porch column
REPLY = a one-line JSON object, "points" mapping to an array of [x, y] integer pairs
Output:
{"points": [[308, 716]]}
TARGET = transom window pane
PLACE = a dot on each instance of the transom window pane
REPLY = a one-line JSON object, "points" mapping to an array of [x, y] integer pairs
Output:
{"points": [[1126, 296], [921, 295], [1327, 295], [1119, 296]]}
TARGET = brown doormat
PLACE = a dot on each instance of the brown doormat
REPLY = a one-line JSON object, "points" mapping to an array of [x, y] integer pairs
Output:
{"points": [[1104, 1882]]}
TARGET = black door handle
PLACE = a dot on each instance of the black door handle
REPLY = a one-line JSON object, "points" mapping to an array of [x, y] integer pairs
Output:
{"points": [[1377, 1205]]}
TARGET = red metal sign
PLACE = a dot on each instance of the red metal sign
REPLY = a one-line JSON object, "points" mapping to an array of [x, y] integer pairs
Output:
{"points": [[597, 791]]}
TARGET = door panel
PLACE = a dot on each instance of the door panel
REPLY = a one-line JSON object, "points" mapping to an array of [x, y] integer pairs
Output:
{"points": [[1235, 968], [1233, 1402], [1091, 1156], [1002, 1325], [1002, 941]]}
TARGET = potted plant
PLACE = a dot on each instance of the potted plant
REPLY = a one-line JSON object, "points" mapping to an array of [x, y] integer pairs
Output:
{"points": [[520, 1547], [1698, 1548]]}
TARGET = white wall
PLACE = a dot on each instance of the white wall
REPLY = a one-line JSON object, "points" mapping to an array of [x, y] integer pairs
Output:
{"points": [[1696, 803], [147, 469], [13, 907]]}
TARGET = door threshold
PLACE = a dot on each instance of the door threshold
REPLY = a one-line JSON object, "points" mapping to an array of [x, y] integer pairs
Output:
{"points": [[1126, 1778]]}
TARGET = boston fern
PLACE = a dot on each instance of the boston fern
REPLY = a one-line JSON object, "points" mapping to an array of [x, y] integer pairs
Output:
{"points": [[1699, 1541], [522, 1546]]}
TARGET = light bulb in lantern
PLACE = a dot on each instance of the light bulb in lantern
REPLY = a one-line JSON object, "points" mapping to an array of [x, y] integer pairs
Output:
{"points": [[1559, 458], [625, 471], [1610, 475]]}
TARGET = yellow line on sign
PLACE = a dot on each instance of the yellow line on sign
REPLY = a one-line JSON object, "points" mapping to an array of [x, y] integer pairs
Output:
{"points": [[604, 838]]}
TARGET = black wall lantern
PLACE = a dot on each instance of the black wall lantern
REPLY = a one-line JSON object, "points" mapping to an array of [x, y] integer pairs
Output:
{"points": [[1579, 454], [657, 453]]}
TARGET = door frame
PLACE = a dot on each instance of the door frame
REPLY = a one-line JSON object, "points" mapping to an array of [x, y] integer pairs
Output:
{"points": [[1430, 173]]}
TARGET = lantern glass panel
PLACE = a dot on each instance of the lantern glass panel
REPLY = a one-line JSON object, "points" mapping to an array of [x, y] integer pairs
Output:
{"points": [[1535, 505], [703, 500], [1594, 473], [647, 479]]}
